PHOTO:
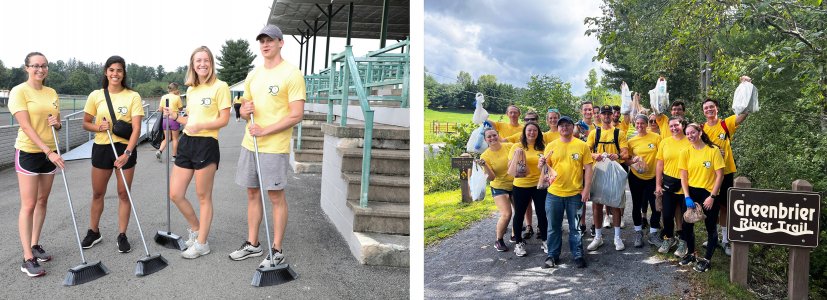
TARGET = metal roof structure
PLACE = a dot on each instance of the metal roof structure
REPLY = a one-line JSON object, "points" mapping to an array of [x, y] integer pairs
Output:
{"points": [[295, 17]]}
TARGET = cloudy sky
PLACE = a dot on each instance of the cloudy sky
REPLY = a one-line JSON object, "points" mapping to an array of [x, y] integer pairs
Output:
{"points": [[147, 32], [510, 39]]}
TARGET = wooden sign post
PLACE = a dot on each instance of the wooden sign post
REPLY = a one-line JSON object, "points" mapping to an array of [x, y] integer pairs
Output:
{"points": [[463, 163]]}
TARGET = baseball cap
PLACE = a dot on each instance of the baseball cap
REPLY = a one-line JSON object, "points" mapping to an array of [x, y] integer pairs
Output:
{"points": [[606, 109], [565, 119], [270, 30]]}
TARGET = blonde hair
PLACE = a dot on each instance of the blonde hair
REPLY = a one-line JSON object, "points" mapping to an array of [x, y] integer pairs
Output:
{"points": [[192, 78]]}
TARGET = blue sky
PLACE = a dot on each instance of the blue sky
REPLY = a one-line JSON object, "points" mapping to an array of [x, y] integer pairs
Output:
{"points": [[510, 39]]}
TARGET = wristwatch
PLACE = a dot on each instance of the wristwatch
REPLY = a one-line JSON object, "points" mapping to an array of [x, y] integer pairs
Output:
{"points": [[127, 152], [714, 197]]}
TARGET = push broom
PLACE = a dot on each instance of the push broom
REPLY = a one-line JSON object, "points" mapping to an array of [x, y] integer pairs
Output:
{"points": [[272, 274], [167, 238], [85, 272], [150, 263]]}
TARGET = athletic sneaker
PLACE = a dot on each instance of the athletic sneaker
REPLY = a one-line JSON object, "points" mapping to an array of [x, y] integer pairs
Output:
{"points": [[592, 231], [596, 243], [519, 249], [193, 236], [529, 233], [123, 244], [278, 258], [638, 239], [687, 259], [682, 249], [702, 265], [32, 268], [549, 263], [245, 251], [582, 230], [91, 239], [40, 254], [158, 155], [197, 249], [512, 240], [544, 246], [654, 239], [580, 262], [499, 245], [728, 249], [667, 244], [622, 223], [619, 244]]}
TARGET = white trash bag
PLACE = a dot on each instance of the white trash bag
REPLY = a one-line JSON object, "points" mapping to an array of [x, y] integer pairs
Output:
{"points": [[659, 97], [608, 183], [477, 182], [745, 98], [625, 99], [476, 142], [480, 114]]}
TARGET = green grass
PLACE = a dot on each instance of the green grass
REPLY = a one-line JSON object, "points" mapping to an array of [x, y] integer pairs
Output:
{"points": [[448, 115], [446, 214]]}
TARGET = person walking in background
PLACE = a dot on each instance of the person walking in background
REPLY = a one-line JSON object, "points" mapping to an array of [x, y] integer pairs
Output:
{"points": [[525, 192], [494, 161], [237, 107], [36, 108], [274, 93], [207, 112], [127, 107], [170, 125]]}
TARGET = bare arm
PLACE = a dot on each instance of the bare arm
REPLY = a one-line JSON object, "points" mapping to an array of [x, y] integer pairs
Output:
{"points": [[659, 177], [587, 185], [685, 182]]}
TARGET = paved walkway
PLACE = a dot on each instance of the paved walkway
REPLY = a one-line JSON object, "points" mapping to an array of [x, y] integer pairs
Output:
{"points": [[467, 266], [314, 249]]}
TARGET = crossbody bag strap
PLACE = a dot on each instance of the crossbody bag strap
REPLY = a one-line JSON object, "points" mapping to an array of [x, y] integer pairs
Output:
{"points": [[109, 104]]}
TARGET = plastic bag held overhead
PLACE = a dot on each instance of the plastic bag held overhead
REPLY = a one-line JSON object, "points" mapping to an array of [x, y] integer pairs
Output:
{"points": [[476, 142], [625, 98], [659, 97], [477, 182], [480, 114], [745, 99]]}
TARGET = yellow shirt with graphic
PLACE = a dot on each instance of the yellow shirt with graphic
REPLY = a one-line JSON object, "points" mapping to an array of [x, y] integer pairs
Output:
{"points": [[607, 144], [175, 103], [647, 148], [718, 137], [532, 158], [568, 160], [498, 161], [127, 104], [669, 151], [39, 105], [506, 129], [272, 91], [701, 165], [205, 102]]}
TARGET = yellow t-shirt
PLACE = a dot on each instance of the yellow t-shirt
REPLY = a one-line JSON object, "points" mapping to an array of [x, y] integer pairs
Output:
{"points": [[607, 144], [505, 129], [39, 105], [272, 90], [175, 103], [205, 104], [568, 160], [647, 148], [127, 103], [701, 165], [550, 136], [669, 152], [718, 137], [663, 123], [532, 157], [498, 161], [514, 138]]}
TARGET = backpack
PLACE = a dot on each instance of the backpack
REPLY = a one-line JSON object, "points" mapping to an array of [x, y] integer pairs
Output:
{"points": [[597, 140]]}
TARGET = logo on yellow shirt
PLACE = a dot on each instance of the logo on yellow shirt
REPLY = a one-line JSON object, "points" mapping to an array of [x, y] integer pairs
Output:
{"points": [[722, 136], [274, 90], [206, 101], [651, 146], [575, 156], [54, 103], [707, 164], [122, 110]]}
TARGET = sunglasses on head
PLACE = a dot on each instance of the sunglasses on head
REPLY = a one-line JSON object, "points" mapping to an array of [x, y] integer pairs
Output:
{"points": [[652, 121], [530, 119], [553, 110]]}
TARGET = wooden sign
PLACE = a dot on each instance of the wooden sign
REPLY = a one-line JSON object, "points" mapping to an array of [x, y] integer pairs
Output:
{"points": [[774, 217]]}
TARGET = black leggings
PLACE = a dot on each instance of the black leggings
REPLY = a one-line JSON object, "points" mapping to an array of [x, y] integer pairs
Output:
{"points": [[643, 193], [237, 107], [670, 202], [711, 222], [522, 198]]}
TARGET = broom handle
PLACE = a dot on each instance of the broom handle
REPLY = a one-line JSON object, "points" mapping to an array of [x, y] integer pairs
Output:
{"points": [[261, 191], [68, 196], [128, 194], [169, 149]]}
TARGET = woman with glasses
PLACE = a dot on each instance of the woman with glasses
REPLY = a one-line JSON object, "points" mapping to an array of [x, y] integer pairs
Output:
{"points": [[643, 148], [525, 191], [36, 109], [494, 161], [668, 186]]}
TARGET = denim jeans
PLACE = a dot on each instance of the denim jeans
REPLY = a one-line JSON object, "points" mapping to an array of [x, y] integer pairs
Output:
{"points": [[555, 207]]}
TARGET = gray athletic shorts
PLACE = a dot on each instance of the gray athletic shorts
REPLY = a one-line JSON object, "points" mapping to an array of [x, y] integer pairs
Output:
{"points": [[273, 169]]}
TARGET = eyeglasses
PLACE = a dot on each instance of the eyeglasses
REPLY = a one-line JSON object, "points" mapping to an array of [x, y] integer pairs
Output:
{"points": [[530, 119], [44, 67], [652, 121]]}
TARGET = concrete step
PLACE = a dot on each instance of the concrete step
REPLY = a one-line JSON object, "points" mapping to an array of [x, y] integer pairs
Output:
{"points": [[310, 142], [382, 162], [382, 188], [381, 217], [308, 130], [378, 249], [306, 167], [308, 155], [313, 116], [380, 131]]}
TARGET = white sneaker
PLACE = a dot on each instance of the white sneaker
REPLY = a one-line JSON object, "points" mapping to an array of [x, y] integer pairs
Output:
{"points": [[278, 258], [606, 223], [622, 223], [158, 155], [519, 249], [596, 243], [247, 250], [193, 236], [544, 246], [619, 244], [196, 250]]}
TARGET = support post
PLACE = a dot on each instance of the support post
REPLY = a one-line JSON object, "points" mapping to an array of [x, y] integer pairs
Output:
{"points": [[738, 265], [301, 46], [313, 60], [329, 15], [349, 23], [798, 274], [384, 31]]}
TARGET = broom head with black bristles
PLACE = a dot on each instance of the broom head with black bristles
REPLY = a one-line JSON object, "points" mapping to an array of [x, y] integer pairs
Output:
{"points": [[150, 264], [170, 240], [273, 275], [84, 273]]}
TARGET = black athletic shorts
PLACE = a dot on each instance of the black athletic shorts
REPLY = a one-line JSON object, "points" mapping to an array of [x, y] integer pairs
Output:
{"points": [[103, 158], [32, 163], [197, 152]]}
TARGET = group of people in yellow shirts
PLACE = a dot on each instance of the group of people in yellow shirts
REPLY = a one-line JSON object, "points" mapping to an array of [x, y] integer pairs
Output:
{"points": [[274, 93], [672, 166]]}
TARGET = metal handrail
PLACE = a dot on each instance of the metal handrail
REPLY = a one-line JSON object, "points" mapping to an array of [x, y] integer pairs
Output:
{"points": [[66, 118]]}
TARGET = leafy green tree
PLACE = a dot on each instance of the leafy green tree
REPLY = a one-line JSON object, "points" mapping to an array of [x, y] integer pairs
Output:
{"points": [[160, 72], [549, 91], [236, 60]]}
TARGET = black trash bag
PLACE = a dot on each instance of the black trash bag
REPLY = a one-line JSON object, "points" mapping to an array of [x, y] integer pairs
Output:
{"points": [[156, 135]]}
